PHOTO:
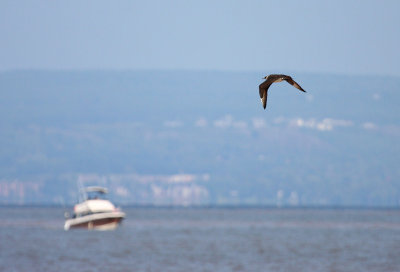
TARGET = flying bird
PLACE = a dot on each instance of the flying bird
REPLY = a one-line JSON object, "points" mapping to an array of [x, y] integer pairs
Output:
{"points": [[263, 88]]}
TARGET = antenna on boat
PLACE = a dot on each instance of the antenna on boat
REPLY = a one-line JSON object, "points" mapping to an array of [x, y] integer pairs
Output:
{"points": [[81, 191]]}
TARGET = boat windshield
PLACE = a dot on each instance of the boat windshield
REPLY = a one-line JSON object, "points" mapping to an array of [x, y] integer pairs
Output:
{"points": [[93, 192], [96, 195]]}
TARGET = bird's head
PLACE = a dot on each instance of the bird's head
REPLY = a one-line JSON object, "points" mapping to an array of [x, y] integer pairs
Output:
{"points": [[265, 77]]}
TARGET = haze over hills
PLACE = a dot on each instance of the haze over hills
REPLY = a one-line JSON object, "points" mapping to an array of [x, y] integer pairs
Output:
{"points": [[199, 137]]}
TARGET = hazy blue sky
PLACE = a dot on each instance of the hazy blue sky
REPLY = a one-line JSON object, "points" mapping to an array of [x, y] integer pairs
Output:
{"points": [[347, 37]]}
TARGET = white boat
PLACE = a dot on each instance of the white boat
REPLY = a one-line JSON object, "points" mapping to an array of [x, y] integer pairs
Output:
{"points": [[94, 211]]}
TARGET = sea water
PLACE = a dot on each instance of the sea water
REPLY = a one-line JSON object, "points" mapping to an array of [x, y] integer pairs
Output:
{"points": [[204, 239]]}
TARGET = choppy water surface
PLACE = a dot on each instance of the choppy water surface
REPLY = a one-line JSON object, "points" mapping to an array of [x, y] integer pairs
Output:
{"points": [[33, 239]]}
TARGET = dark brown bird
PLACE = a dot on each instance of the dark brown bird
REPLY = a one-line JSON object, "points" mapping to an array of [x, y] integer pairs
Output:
{"points": [[263, 88]]}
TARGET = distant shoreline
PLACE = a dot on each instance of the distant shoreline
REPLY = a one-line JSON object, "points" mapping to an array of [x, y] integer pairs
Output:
{"points": [[223, 207]]}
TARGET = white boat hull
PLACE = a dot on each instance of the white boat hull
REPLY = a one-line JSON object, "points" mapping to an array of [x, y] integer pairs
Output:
{"points": [[96, 221]]}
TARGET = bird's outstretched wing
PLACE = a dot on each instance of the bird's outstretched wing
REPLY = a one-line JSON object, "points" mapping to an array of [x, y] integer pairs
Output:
{"points": [[263, 89], [264, 98], [293, 83]]}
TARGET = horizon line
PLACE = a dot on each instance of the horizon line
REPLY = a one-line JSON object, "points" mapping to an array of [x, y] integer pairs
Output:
{"points": [[191, 70]]}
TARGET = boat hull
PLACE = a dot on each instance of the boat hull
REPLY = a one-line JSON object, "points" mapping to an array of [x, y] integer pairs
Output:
{"points": [[100, 221]]}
